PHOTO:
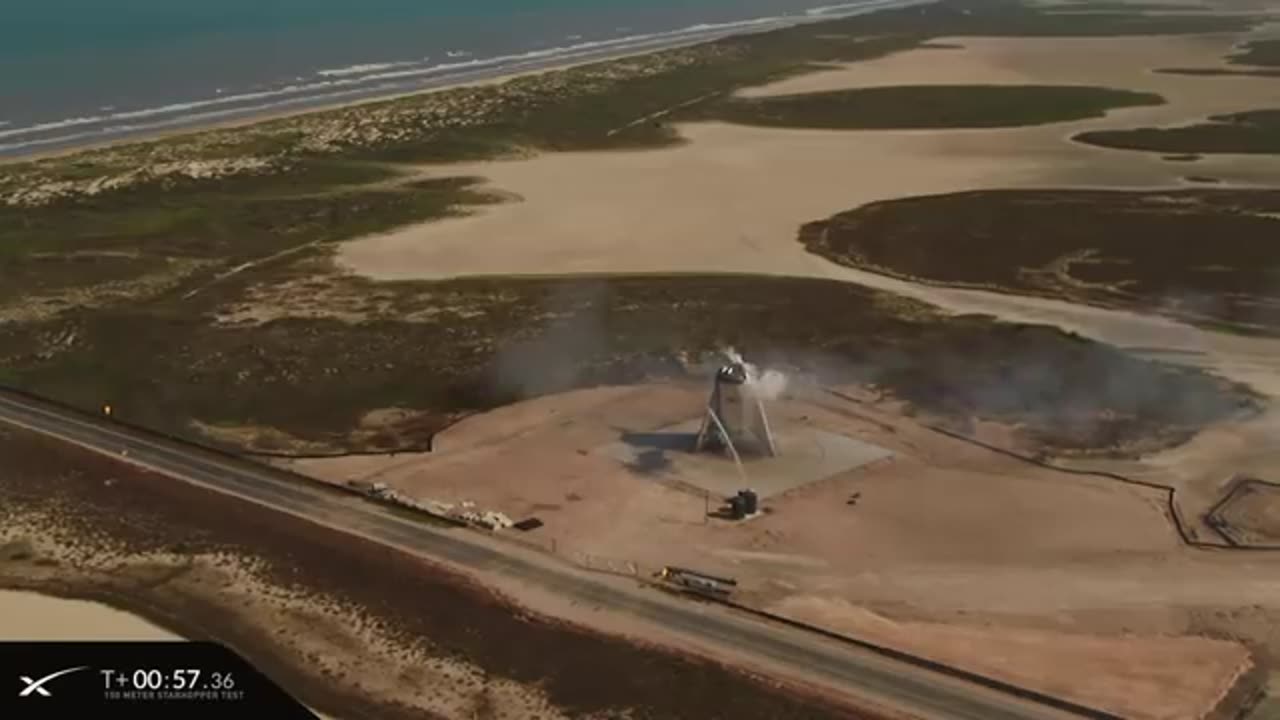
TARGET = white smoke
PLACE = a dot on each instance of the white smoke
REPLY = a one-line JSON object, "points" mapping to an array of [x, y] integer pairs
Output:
{"points": [[766, 385], [770, 385]]}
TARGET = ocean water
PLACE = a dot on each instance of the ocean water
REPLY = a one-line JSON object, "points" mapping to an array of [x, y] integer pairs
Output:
{"points": [[83, 71]]}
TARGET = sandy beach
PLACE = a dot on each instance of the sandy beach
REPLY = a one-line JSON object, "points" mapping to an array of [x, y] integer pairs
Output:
{"points": [[587, 55], [477, 78], [732, 198]]}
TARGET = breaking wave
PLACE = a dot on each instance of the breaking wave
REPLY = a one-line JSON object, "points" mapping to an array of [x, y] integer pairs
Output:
{"points": [[370, 80]]}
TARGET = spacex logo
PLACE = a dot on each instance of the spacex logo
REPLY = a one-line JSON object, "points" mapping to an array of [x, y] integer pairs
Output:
{"points": [[37, 687]]}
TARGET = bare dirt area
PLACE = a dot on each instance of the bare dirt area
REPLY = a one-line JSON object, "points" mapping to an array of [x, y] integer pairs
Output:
{"points": [[1049, 574], [1204, 470], [631, 211], [353, 628], [1250, 515], [1148, 677]]}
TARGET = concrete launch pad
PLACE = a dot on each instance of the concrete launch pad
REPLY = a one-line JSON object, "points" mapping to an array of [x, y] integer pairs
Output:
{"points": [[805, 455]]}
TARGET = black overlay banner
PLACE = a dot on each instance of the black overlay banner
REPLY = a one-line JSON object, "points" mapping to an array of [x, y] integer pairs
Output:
{"points": [[187, 680]]}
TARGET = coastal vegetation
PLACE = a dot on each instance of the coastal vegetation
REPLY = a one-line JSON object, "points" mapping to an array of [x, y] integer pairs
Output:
{"points": [[150, 240], [1257, 58], [931, 106], [188, 281], [1262, 53], [1120, 6], [190, 284], [1218, 72], [330, 175], [1207, 256], [620, 103], [1256, 131], [298, 364]]}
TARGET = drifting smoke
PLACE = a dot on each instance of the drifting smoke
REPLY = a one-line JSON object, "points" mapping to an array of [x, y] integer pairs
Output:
{"points": [[767, 385], [1059, 391], [573, 344], [556, 356]]}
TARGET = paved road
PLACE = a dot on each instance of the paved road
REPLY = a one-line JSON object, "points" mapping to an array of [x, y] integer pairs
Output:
{"points": [[860, 673]]}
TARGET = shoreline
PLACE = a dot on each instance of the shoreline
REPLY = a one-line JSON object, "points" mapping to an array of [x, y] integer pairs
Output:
{"points": [[38, 150], [495, 76]]}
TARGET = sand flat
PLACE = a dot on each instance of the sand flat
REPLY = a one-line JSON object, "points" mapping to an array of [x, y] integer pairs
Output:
{"points": [[733, 197], [1147, 677], [34, 617]]}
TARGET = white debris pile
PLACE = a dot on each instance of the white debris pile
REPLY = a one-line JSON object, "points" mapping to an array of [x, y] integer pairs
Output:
{"points": [[466, 511], [487, 518]]}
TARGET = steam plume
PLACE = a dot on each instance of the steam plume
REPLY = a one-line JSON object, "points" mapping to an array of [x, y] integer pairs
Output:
{"points": [[766, 385]]}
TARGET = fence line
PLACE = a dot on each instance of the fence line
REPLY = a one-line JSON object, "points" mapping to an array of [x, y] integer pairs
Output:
{"points": [[1180, 525]]}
